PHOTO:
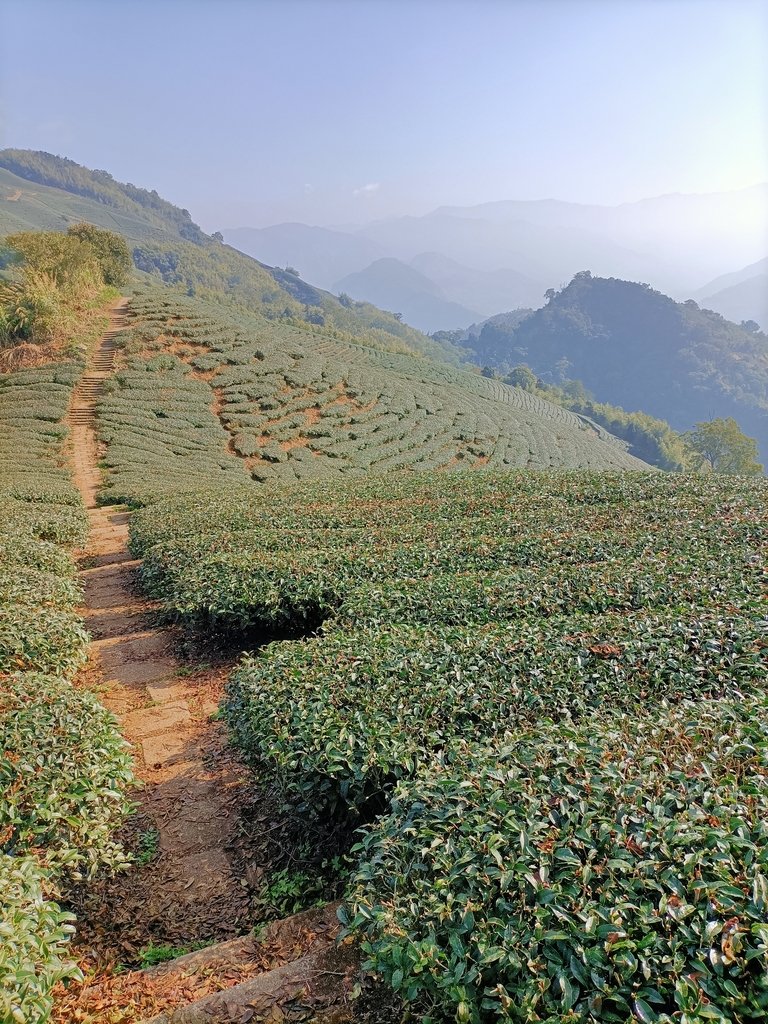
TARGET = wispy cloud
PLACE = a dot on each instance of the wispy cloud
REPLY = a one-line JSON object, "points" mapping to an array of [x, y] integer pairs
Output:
{"points": [[367, 190]]}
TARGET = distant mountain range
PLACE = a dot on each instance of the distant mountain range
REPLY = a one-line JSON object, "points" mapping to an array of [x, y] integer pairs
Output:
{"points": [[496, 256], [742, 295], [396, 286]]}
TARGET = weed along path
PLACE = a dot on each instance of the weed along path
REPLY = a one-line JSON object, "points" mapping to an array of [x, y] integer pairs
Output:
{"points": [[187, 888]]}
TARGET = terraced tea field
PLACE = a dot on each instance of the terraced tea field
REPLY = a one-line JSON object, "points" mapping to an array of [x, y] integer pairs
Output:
{"points": [[542, 695], [206, 394]]}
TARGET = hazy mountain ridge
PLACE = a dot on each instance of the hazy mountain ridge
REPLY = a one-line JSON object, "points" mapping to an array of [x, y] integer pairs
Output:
{"points": [[635, 347], [321, 255], [673, 242], [398, 286], [742, 295]]}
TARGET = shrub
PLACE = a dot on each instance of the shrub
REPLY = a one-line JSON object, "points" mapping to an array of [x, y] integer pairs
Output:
{"points": [[340, 718], [64, 770], [605, 873], [34, 936]]}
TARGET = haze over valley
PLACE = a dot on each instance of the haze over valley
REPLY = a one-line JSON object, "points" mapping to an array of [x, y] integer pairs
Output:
{"points": [[499, 255]]}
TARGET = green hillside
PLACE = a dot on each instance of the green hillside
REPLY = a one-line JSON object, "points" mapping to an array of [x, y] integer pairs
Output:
{"points": [[199, 397], [636, 348], [39, 191]]}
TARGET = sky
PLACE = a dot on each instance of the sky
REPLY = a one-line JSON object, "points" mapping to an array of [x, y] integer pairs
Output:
{"points": [[340, 112]]}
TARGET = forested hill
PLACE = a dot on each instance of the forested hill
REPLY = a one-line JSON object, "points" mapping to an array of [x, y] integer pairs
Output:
{"points": [[634, 347], [39, 191]]}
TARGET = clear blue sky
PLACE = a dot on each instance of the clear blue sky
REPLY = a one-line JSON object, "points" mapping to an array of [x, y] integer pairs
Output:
{"points": [[341, 111]]}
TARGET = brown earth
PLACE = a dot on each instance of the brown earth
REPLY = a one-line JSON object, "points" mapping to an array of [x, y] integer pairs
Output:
{"points": [[188, 806]]}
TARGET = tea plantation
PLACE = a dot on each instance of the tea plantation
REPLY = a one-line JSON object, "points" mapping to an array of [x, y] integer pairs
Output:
{"points": [[207, 394], [541, 696], [529, 672], [64, 769]]}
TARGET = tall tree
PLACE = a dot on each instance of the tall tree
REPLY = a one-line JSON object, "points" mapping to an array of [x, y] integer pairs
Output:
{"points": [[111, 250], [720, 446]]}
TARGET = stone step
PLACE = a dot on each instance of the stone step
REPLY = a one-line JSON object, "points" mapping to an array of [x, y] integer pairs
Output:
{"points": [[296, 958]]}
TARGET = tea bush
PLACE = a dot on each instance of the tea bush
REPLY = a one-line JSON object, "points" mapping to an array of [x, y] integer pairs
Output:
{"points": [[64, 769], [459, 549], [549, 687], [35, 934], [206, 395], [610, 872], [342, 716]]}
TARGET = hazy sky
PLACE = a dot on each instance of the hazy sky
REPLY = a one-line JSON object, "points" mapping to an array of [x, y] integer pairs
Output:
{"points": [[344, 111]]}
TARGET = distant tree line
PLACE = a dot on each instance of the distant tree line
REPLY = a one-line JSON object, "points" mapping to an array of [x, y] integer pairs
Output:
{"points": [[717, 446]]}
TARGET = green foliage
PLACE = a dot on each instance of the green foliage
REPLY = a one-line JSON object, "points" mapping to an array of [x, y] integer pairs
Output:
{"points": [[63, 775], [521, 377], [64, 768], [638, 349], [152, 955], [69, 260], [39, 626], [721, 447], [35, 934], [111, 251], [32, 405], [609, 872], [220, 273], [148, 847], [60, 275], [279, 403], [646, 437], [289, 892], [544, 693]]}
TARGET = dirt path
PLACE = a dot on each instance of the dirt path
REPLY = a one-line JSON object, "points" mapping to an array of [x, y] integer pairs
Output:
{"points": [[190, 889]]}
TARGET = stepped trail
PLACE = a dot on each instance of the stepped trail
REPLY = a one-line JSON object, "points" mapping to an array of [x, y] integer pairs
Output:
{"points": [[190, 803]]}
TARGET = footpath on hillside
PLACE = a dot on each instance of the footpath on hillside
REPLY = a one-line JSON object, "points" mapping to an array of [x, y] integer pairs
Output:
{"points": [[190, 888]]}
